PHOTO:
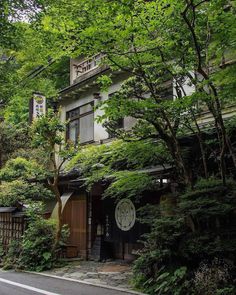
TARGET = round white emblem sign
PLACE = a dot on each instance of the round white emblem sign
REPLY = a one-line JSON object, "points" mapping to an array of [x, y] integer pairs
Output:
{"points": [[125, 214]]}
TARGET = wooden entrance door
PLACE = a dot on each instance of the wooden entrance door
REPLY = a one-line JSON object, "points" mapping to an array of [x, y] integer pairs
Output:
{"points": [[79, 224], [75, 215]]}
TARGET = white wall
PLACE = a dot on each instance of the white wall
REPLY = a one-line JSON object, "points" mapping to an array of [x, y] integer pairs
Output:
{"points": [[73, 74], [87, 96], [188, 87]]}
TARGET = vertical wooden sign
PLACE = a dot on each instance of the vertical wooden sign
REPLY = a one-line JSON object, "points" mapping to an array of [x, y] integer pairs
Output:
{"points": [[37, 106]]}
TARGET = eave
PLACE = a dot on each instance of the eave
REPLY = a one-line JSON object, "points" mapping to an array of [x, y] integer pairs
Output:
{"points": [[84, 83]]}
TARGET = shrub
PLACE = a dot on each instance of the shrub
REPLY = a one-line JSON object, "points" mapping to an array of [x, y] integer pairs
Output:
{"points": [[37, 246], [36, 250], [164, 282], [201, 226], [10, 260], [1, 252], [213, 278]]}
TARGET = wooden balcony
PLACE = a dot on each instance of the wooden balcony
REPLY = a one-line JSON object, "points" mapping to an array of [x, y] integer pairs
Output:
{"points": [[88, 68]]}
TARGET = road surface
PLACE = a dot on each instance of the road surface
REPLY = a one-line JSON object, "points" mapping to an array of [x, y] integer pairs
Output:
{"points": [[19, 283]]}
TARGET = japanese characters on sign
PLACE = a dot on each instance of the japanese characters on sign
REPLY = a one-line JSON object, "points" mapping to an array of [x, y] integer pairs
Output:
{"points": [[39, 105]]}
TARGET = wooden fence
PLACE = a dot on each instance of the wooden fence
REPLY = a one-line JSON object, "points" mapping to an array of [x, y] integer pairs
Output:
{"points": [[12, 225]]}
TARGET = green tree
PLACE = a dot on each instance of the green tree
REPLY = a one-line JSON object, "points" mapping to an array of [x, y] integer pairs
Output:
{"points": [[48, 135], [122, 165], [22, 182], [155, 42], [12, 138], [17, 192]]}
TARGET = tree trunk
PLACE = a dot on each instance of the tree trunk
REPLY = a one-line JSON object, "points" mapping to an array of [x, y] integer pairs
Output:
{"points": [[201, 144], [229, 145], [216, 106], [57, 194], [221, 131], [173, 146]]}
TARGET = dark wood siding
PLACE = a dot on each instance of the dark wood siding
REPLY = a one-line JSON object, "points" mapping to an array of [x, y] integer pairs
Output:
{"points": [[11, 228]]}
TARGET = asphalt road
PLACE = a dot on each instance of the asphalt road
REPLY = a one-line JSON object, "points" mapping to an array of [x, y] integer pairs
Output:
{"points": [[19, 283]]}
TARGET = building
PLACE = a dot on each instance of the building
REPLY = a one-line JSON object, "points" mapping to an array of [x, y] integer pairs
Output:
{"points": [[86, 214], [99, 228]]}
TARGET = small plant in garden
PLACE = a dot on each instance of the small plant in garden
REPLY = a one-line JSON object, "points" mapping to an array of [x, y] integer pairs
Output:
{"points": [[11, 259], [165, 282], [37, 246], [38, 252], [1, 252]]}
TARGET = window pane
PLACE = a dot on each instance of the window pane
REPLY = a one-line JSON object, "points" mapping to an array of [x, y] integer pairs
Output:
{"points": [[73, 113], [86, 128], [73, 130], [86, 108]]}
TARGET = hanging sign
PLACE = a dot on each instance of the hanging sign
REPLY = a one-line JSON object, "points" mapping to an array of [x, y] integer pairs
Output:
{"points": [[125, 214], [37, 106]]}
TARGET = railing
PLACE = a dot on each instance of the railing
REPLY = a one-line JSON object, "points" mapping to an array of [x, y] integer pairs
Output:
{"points": [[88, 65]]}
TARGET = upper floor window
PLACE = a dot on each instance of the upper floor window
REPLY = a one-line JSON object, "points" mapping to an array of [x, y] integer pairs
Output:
{"points": [[80, 125]]}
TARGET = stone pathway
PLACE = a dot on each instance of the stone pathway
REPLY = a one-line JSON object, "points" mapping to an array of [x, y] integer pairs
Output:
{"points": [[114, 274]]}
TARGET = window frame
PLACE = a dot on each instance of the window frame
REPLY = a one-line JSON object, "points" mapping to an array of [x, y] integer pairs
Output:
{"points": [[77, 117]]}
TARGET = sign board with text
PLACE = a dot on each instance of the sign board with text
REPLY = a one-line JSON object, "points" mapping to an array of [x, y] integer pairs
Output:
{"points": [[37, 106]]}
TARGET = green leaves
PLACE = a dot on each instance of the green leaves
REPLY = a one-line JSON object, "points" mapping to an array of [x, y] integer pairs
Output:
{"points": [[168, 282], [20, 182], [200, 225], [47, 255], [37, 246], [48, 131], [209, 200], [104, 82], [121, 163], [129, 184], [20, 192], [21, 168]]}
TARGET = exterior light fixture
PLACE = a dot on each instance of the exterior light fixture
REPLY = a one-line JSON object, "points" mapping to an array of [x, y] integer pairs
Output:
{"points": [[97, 95]]}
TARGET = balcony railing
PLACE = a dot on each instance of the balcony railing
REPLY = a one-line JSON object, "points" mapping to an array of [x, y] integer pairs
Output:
{"points": [[87, 65]]}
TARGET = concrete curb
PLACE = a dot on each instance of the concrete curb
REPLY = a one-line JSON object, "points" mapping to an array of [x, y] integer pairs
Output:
{"points": [[87, 283]]}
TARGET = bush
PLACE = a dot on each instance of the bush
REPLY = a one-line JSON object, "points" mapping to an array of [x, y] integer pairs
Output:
{"points": [[213, 278], [36, 250], [172, 282], [1, 252], [200, 227], [37, 246], [10, 260]]}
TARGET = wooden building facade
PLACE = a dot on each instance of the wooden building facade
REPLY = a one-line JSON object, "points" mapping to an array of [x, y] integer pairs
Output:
{"points": [[12, 225]]}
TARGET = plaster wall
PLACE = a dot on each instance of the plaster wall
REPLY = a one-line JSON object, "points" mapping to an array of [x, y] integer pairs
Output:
{"points": [[187, 86], [87, 96]]}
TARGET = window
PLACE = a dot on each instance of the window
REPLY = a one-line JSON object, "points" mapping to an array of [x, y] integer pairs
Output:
{"points": [[81, 124]]}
